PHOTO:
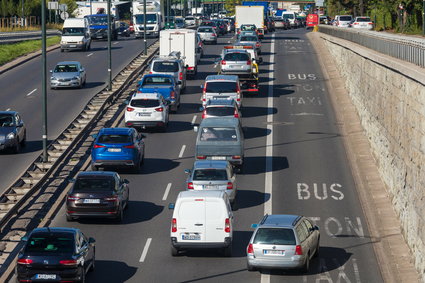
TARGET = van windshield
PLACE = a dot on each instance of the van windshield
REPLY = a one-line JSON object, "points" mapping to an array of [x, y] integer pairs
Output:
{"points": [[150, 19], [73, 31], [288, 16], [210, 175], [345, 18], [218, 134]]}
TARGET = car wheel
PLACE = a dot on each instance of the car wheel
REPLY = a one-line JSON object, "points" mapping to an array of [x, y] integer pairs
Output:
{"points": [[136, 168], [306, 266], [227, 252], [127, 201], [83, 276], [69, 218], [92, 267], [120, 216], [239, 168], [24, 140], [250, 267], [17, 148], [61, 50], [174, 251], [316, 253]]}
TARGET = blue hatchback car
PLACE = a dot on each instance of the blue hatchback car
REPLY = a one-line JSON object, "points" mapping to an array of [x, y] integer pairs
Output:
{"points": [[118, 147]]}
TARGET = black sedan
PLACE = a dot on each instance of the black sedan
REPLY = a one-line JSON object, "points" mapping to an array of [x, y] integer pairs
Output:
{"points": [[55, 254], [97, 194]]}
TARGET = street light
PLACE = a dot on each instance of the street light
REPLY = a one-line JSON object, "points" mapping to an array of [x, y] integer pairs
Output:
{"points": [[144, 28], [109, 47], [423, 18], [43, 80], [23, 15]]}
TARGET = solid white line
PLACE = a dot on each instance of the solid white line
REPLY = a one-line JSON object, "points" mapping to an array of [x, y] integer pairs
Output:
{"points": [[182, 151], [268, 180], [115, 42], [145, 250], [31, 92], [193, 120], [167, 190], [88, 55]]}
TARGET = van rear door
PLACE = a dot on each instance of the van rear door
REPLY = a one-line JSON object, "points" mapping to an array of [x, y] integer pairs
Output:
{"points": [[191, 221], [216, 214]]}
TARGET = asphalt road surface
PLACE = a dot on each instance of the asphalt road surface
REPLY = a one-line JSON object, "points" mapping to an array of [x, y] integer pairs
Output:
{"points": [[21, 91], [295, 164]]}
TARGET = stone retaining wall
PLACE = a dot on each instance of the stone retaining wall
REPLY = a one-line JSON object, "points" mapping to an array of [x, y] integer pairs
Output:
{"points": [[390, 99]]}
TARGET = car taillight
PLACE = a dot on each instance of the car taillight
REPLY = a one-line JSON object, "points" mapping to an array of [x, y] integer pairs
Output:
{"points": [[173, 95], [72, 198], [248, 62], [370, 23], [227, 225], [98, 146], [223, 62], [250, 249], [130, 109], [129, 146], [174, 225], [204, 114], [229, 185], [150, 72], [68, 262], [257, 44], [236, 157], [190, 186], [181, 76], [159, 109], [191, 68], [139, 91], [25, 261], [201, 157], [236, 114], [298, 250]]}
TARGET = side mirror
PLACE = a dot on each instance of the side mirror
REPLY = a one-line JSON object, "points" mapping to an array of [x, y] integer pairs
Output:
{"points": [[72, 180], [125, 181], [24, 238], [201, 86], [195, 129], [171, 206], [187, 171], [92, 240], [260, 60], [254, 226], [201, 109], [94, 136], [51, 71]]}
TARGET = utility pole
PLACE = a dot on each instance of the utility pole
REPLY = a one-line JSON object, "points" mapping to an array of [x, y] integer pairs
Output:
{"points": [[144, 28], [109, 47], [23, 15], [423, 18], [43, 80], [91, 9]]}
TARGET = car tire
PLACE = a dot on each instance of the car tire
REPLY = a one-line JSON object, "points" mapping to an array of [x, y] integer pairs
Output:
{"points": [[17, 148], [306, 266], [136, 168], [62, 50], [174, 251], [94, 168], [120, 216], [69, 218], [93, 265], [316, 253], [250, 267], [24, 140], [127, 202], [227, 252], [239, 168]]}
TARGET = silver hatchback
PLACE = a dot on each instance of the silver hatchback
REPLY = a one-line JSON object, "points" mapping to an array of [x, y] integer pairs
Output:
{"points": [[236, 62], [207, 34], [283, 242], [170, 65], [212, 175], [68, 74]]}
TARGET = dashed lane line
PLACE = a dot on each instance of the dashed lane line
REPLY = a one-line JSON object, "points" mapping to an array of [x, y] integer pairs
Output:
{"points": [[167, 191], [182, 151], [145, 250], [31, 92]]}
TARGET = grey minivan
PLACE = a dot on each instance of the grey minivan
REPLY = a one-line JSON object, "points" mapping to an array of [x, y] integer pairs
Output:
{"points": [[220, 138]]}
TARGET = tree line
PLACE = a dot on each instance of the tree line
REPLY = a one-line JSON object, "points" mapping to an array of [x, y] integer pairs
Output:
{"points": [[13, 8]]}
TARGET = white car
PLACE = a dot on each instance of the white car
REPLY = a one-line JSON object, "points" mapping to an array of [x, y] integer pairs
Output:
{"points": [[343, 21], [147, 110], [190, 21], [362, 23]]}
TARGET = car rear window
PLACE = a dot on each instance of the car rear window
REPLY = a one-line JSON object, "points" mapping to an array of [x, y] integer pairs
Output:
{"points": [[210, 175], [236, 56], [93, 185], [222, 87], [144, 103], [363, 19], [55, 243], [218, 134], [165, 67], [156, 80], [114, 139], [205, 30], [345, 18], [220, 111], [248, 38], [275, 236]]}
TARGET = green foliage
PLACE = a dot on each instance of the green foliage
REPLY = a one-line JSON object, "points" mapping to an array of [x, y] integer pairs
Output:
{"points": [[229, 6]]}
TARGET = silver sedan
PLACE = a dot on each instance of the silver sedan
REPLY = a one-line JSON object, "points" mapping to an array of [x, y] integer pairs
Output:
{"points": [[68, 74]]}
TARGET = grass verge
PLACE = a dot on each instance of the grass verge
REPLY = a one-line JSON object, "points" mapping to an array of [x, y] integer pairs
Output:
{"points": [[9, 52]]}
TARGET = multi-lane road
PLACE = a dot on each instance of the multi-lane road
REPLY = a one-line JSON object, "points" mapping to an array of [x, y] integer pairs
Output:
{"points": [[295, 164]]}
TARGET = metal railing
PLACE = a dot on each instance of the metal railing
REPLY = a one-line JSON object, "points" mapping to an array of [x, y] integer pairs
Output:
{"points": [[12, 37], [406, 48]]}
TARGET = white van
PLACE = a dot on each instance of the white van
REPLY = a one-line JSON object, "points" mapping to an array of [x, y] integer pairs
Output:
{"points": [[75, 34], [202, 219], [291, 16]]}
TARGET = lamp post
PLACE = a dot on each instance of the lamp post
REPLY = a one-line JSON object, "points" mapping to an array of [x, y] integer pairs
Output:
{"points": [[423, 18], [144, 28], [91, 11], [43, 80], [109, 47], [23, 15]]}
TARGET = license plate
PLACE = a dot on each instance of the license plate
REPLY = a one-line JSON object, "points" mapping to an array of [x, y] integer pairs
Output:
{"points": [[191, 237], [209, 187], [220, 97], [73, 45], [143, 114], [273, 252], [91, 200], [218, 157], [114, 149], [65, 83], [46, 276]]}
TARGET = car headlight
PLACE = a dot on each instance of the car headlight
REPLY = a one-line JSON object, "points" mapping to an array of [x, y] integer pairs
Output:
{"points": [[10, 136], [79, 42], [75, 78]]}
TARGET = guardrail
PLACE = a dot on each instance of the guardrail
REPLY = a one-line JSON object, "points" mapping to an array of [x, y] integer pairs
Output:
{"points": [[408, 49], [13, 37]]}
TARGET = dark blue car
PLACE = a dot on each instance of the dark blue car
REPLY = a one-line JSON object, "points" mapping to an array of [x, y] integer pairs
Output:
{"points": [[166, 85], [118, 147]]}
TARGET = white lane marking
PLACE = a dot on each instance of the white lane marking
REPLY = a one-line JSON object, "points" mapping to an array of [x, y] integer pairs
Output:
{"points": [[182, 151], [115, 42], [8, 109], [193, 120], [88, 55], [268, 180], [145, 250], [167, 191], [307, 114], [34, 90]]}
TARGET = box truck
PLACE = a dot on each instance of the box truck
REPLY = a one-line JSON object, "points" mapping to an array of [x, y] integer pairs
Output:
{"points": [[185, 41], [253, 15], [154, 18]]}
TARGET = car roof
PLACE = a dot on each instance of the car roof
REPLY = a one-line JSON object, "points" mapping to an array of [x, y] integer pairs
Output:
{"points": [[220, 121], [145, 95], [199, 194], [8, 112], [221, 102], [112, 131], [205, 164], [54, 230], [221, 78], [68, 63], [97, 174], [280, 220]]}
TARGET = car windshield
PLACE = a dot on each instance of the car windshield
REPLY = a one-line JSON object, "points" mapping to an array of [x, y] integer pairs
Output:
{"points": [[165, 67], [6, 121], [98, 20], [150, 19], [220, 111], [189, 18], [248, 38], [275, 236], [218, 134], [236, 56], [114, 139], [157, 81], [52, 243], [365, 19], [73, 31], [345, 18], [205, 30], [210, 175], [179, 21], [221, 87], [66, 68], [144, 103], [93, 185]]}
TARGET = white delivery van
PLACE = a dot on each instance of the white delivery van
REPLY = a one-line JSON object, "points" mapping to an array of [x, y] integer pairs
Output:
{"points": [[249, 15], [202, 219], [75, 34], [184, 41], [291, 16]]}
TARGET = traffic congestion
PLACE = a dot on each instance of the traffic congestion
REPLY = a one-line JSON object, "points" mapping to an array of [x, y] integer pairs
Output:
{"points": [[200, 124]]}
